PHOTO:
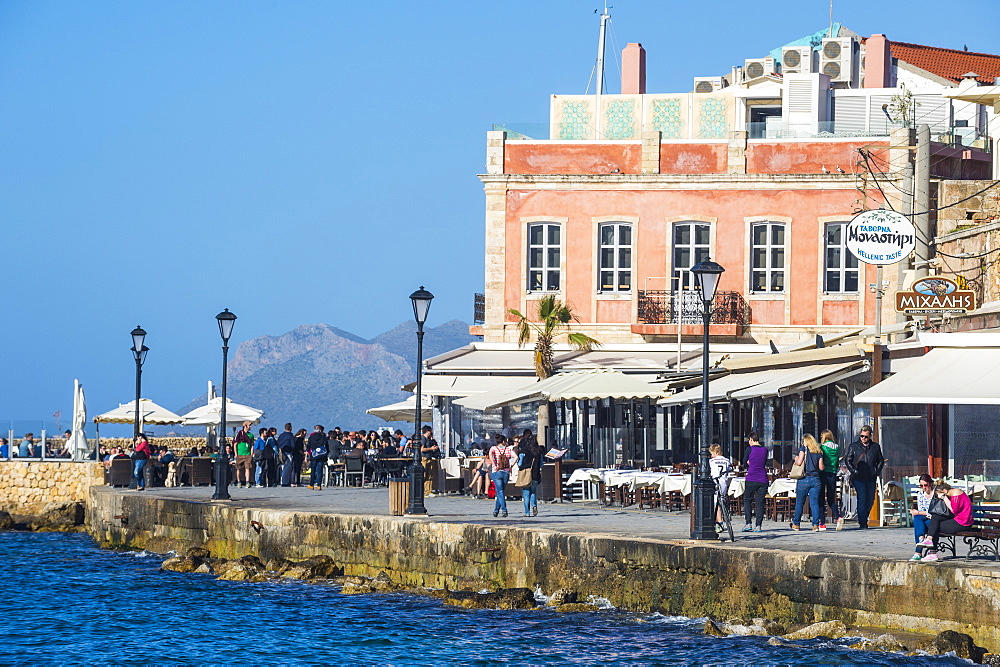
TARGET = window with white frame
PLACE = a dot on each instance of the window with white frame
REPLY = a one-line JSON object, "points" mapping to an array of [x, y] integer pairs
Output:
{"points": [[544, 256], [690, 246], [614, 255], [841, 270], [767, 257]]}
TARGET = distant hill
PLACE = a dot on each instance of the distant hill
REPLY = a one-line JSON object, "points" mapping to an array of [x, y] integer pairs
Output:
{"points": [[318, 374]]}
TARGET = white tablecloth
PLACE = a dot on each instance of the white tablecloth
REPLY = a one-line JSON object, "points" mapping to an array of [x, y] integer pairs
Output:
{"points": [[633, 479], [782, 485]]}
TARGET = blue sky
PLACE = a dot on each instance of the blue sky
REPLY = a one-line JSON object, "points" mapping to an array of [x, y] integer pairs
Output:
{"points": [[298, 162]]}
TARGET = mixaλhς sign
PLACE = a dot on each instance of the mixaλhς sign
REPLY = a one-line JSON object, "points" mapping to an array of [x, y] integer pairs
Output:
{"points": [[935, 295]]}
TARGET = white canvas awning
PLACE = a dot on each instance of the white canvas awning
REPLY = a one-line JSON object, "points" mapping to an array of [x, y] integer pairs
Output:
{"points": [[466, 385], [784, 381], [404, 410], [575, 386], [718, 389], [149, 413], [943, 376]]}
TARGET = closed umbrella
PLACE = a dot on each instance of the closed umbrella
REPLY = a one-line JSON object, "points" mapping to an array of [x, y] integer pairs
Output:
{"points": [[77, 445]]}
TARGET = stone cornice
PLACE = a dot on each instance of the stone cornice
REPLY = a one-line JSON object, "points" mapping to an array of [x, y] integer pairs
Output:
{"points": [[672, 181]]}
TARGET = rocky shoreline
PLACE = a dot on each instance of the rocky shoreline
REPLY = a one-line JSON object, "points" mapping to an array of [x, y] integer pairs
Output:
{"points": [[323, 569], [54, 517]]}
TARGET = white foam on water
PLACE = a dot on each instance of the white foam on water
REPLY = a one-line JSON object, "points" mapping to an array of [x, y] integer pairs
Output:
{"points": [[600, 603], [663, 619], [540, 597]]}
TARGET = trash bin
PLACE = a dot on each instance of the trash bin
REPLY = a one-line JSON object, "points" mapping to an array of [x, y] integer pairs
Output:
{"points": [[399, 495]]}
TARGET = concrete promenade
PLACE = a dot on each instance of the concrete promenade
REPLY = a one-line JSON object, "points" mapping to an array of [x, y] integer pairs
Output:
{"points": [[581, 518]]}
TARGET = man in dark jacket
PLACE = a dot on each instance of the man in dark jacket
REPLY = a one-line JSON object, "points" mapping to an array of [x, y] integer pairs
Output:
{"points": [[318, 449], [286, 445], [864, 460]]}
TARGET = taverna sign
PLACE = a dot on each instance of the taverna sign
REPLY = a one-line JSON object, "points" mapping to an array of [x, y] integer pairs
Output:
{"points": [[880, 237]]}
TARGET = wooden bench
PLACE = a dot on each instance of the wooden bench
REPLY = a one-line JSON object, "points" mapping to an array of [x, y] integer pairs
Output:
{"points": [[982, 537]]}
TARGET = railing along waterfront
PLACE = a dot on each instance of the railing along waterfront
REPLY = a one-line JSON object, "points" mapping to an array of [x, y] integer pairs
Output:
{"points": [[684, 307]]}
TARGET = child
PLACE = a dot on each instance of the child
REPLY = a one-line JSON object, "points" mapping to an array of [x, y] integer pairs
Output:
{"points": [[720, 467]]}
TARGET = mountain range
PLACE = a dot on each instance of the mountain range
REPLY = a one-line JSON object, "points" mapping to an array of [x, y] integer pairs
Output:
{"points": [[319, 374]]}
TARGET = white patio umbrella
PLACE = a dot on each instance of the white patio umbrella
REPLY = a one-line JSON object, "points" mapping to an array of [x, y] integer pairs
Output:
{"points": [[77, 444], [404, 410], [149, 413], [211, 414]]}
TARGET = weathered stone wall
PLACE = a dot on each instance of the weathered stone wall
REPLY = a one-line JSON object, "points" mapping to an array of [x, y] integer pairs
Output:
{"points": [[180, 445], [642, 575], [27, 486]]}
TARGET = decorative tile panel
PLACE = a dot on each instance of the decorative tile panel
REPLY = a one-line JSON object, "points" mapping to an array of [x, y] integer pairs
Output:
{"points": [[667, 118], [620, 120], [575, 121], [712, 122]]}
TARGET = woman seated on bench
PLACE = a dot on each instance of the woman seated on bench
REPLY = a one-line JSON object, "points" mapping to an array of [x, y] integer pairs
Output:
{"points": [[960, 507]]}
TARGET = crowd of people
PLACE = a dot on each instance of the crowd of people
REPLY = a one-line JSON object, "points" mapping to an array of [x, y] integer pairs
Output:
{"points": [[29, 447], [270, 459], [940, 509]]}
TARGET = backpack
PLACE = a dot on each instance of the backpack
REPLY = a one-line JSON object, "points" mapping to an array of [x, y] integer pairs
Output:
{"points": [[502, 460]]}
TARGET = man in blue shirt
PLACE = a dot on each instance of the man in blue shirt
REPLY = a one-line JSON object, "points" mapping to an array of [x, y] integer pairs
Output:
{"points": [[27, 446], [4, 448]]}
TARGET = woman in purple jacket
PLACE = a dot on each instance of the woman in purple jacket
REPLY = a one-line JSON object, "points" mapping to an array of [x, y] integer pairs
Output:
{"points": [[755, 488]]}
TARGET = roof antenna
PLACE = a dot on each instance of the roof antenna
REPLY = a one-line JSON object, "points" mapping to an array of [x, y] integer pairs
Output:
{"points": [[831, 20], [600, 47]]}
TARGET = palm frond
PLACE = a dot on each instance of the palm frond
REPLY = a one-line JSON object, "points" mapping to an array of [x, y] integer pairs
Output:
{"points": [[582, 342]]}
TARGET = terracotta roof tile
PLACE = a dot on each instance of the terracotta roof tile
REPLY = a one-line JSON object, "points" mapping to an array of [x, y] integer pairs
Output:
{"points": [[948, 63]]}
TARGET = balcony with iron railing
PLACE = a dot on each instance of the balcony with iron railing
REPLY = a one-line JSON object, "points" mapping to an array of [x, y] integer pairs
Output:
{"points": [[662, 311]]}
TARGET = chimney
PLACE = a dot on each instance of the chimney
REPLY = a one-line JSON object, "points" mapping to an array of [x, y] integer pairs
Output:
{"points": [[633, 69], [878, 62]]}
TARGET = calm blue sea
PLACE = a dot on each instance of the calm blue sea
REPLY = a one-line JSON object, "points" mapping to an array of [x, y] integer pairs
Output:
{"points": [[63, 600]]}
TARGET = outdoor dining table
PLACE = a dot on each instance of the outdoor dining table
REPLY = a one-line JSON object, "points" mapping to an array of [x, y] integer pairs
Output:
{"points": [[737, 486], [633, 479]]}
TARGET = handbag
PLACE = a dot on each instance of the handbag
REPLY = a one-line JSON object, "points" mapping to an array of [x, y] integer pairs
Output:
{"points": [[798, 471], [939, 508], [523, 478]]}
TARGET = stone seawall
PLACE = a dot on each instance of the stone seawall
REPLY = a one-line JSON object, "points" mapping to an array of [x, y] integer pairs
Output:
{"points": [[27, 486], [640, 575]]}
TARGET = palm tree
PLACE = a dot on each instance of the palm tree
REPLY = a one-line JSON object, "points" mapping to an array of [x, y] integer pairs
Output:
{"points": [[553, 316]]}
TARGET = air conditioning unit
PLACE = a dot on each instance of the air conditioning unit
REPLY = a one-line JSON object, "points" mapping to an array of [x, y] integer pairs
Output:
{"points": [[798, 60], [708, 84], [838, 59], [757, 67]]}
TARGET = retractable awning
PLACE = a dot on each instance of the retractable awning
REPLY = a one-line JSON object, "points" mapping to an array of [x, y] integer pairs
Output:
{"points": [[784, 381], [575, 386], [943, 376], [718, 389], [466, 385]]}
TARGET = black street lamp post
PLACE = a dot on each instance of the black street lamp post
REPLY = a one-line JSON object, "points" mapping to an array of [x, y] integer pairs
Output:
{"points": [[707, 273], [421, 305], [139, 354], [226, 321]]}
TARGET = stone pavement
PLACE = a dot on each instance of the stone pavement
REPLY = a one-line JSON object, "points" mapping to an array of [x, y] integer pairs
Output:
{"points": [[576, 518]]}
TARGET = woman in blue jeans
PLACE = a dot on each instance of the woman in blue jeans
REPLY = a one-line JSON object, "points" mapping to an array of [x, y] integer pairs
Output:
{"points": [[922, 515], [140, 455], [501, 457], [530, 458], [810, 454]]}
